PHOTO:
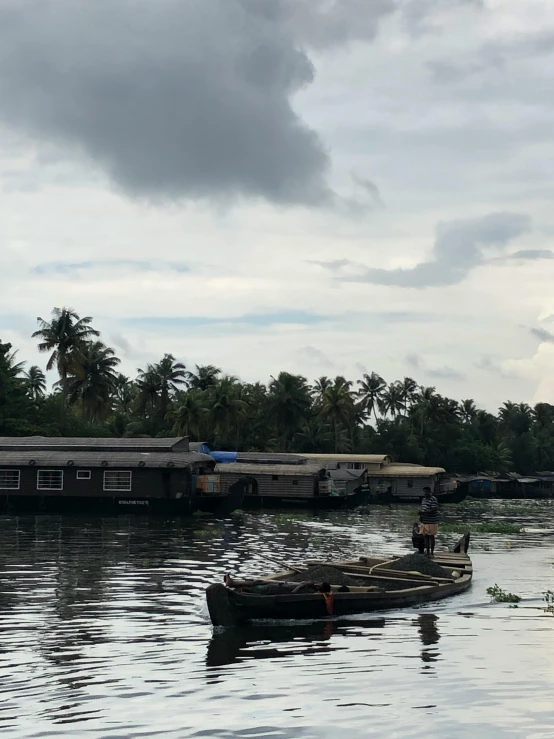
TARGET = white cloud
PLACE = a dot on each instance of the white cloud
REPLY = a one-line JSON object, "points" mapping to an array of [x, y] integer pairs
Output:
{"points": [[432, 152]]}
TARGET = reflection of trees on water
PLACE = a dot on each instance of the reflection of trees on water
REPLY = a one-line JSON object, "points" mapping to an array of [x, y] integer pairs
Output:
{"points": [[429, 635]]}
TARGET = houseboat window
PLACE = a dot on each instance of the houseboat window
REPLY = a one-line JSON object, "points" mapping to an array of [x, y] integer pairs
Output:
{"points": [[117, 481], [295, 482], [50, 480], [9, 479], [274, 477], [410, 483], [83, 474]]}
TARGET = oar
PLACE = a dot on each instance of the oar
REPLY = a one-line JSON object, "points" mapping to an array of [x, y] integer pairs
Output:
{"points": [[283, 564]]}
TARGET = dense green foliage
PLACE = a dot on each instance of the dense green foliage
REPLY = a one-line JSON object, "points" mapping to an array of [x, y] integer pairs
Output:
{"points": [[498, 595], [408, 421]]}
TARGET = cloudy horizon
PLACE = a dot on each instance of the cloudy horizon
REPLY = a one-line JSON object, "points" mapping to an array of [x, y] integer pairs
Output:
{"points": [[304, 185]]}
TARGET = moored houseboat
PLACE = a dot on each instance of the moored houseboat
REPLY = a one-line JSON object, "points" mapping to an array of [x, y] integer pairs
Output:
{"points": [[292, 485], [394, 482], [91, 475], [403, 483]]}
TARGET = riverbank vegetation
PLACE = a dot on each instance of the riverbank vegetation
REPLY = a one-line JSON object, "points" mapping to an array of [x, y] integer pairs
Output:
{"points": [[330, 414]]}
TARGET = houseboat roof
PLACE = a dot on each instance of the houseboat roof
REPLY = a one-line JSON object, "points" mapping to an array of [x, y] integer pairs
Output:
{"points": [[343, 474], [293, 470], [56, 443], [271, 458], [367, 458], [48, 458], [406, 470]]}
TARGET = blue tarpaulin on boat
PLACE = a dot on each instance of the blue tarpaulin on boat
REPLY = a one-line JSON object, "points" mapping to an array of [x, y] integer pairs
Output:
{"points": [[224, 457]]}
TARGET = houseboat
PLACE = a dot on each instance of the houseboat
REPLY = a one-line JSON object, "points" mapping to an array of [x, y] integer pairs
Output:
{"points": [[292, 485], [369, 462], [510, 486], [106, 476], [404, 483]]}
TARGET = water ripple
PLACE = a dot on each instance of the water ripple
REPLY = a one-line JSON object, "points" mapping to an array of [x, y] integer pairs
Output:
{"points": [[105, 633]]}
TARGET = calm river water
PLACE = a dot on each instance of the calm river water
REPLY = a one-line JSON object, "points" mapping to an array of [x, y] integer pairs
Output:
{"points": [[104, 633]]}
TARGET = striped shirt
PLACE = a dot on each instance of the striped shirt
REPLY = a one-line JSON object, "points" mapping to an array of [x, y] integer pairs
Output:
{"points": [[429, 510]]}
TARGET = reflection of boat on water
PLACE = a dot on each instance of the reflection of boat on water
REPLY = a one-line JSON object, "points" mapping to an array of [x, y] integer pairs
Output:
{"points": [[375, 584], [427, 626], [263, 641], [429, 635]]}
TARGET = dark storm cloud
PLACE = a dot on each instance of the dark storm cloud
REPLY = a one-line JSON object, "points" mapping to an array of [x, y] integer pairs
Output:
{"points": [[415, 361], [445, 373], [543, 335], [492, 366], [178, 98], [370, 188], [334, 265], [316, 356], [459, 248], [49, 269], [531, 254]]}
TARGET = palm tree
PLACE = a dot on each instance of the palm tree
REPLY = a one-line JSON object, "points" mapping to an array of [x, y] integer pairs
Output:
{"points": [[501, 457], [64, 336], [391, 400], [205, 377], [92, 386], [486, 426], [314, 437], [320, 386], [515, 418], [371, 391], [35, 382], [409, 388], [290, 401], [338, 407], [124, 393], [189, 413], [421, 410], [14, 368], [543, 414], [149, 387], [171, 374], [468, 411], [227, 408]]}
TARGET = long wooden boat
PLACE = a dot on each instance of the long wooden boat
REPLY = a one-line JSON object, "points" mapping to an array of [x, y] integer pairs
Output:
{"points": [[381, 588]]}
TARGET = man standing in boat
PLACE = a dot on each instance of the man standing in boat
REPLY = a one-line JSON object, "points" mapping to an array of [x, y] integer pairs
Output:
{"points": [[429, 517]]}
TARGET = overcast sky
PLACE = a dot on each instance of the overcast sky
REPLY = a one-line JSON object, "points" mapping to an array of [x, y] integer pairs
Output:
{"points": [[304, 185]]}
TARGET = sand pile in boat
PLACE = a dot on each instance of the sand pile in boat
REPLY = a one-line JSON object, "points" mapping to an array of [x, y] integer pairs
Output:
{"points": [[323, 573], [419, 563]]}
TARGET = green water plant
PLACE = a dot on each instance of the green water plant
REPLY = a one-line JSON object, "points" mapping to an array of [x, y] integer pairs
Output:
{"points": [[205, 533], [497, 595]]}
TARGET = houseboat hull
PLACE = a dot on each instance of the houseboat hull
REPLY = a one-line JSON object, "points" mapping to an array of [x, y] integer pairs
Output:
{"points": [[455, 496], [316, 502], [216, 505]]}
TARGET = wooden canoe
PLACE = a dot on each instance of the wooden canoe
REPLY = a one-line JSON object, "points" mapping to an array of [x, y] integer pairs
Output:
{"points": [[380, 589]]}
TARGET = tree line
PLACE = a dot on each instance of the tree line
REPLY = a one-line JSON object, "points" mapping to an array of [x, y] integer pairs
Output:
{"points": [[411, 422]]}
